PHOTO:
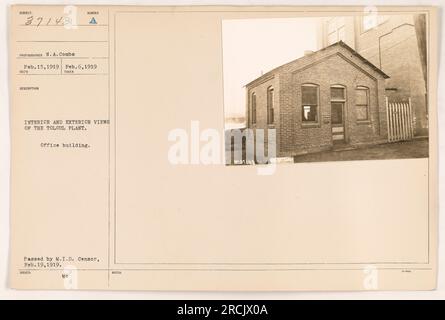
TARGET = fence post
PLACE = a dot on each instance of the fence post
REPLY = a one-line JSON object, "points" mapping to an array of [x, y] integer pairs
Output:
{"points": [[405, 136], [408, 134], [398, 120], [387, 120], [402, 137], [410, 119], [391, 122]]}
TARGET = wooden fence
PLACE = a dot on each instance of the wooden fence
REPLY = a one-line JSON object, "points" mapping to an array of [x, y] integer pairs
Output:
{"points": [[400, 121]]}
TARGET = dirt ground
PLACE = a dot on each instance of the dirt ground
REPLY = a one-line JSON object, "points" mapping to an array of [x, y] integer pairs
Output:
{"points": [[417, 148]]}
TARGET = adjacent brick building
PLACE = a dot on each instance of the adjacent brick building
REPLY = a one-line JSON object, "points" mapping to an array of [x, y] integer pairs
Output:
{"points": [[394, 43], [329, 97]]}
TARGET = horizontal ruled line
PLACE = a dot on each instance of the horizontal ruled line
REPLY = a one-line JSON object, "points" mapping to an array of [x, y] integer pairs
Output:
{"points": [[64, 74], [223, 269], [64, 58], [62, 41], [61, 25]]}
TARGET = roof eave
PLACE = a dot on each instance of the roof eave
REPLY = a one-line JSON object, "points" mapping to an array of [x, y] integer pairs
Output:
{"points": [[339, 43]]}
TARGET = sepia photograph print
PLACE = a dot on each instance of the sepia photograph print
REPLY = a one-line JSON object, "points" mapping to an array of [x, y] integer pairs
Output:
{"points": [[325, 88]]}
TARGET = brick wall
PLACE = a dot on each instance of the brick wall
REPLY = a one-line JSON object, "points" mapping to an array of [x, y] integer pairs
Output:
{"points": [[260, 89], [393, 46], [333, 71], [335, 66]]}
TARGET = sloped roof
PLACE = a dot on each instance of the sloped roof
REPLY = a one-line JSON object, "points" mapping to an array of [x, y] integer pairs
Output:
{"points": [[311, 56]]}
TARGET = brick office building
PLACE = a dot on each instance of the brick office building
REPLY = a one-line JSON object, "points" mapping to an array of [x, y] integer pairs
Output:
{"points": [[332, 96], [396, 44]]}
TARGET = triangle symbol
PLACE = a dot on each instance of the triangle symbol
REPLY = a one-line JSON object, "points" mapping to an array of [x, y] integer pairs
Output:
{"points": [[93, 21]]}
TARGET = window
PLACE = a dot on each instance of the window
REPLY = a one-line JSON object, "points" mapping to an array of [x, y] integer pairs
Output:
{"points": [[362, 103], [338, 93], [309, 98], [253, 108], [270, 115]]}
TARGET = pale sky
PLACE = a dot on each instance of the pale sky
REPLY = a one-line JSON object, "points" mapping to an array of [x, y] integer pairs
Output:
{"points": [[252, 46]]}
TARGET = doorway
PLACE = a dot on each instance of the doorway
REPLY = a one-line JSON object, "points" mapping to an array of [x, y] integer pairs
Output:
{"points": [[338, 100], [337, 121]]}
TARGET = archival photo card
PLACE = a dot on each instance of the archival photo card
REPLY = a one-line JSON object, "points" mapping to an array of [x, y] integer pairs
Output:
{"points": [[213, 148]]}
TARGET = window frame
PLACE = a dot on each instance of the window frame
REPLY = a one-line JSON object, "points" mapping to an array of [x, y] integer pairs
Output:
{"points": [[343, 101], [270, 95], [253, 106], [368, 100], [310, 123], [338, 86]]}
